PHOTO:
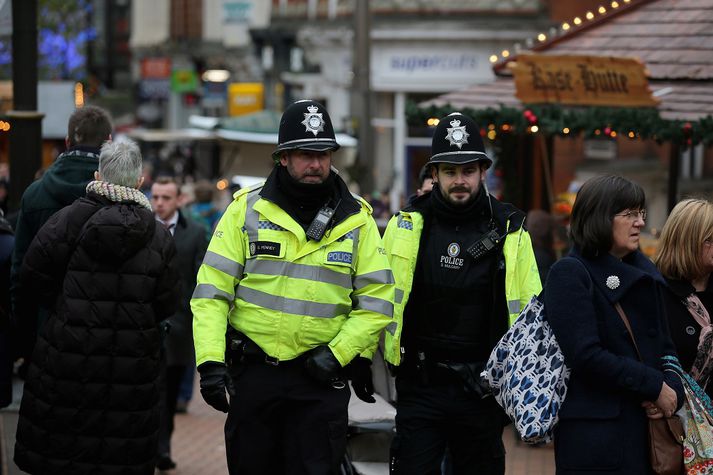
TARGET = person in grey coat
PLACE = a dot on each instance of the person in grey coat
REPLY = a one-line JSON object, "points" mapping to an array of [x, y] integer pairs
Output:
{"points": [[191, 244]]}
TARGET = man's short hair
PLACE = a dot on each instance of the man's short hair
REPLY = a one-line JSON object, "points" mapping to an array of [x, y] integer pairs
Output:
{"points": [[168, 180], [424, 175], [89, 125], [120, 162]]}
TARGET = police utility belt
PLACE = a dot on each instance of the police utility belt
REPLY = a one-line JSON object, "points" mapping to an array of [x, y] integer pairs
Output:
{"points": [[434, 371], [241, 349]]}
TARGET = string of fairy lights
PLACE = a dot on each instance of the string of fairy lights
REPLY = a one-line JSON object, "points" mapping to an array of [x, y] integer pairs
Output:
{"points": [[565, 27]]}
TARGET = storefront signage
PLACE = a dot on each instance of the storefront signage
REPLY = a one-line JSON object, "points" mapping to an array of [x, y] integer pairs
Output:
{"points": [[245, 97], [582, 80], [237, 12], [184, 80], [428, 68], [155, 68]]}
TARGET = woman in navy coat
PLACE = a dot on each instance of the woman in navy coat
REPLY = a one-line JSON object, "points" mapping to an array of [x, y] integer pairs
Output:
{"points": [[603, 425]]}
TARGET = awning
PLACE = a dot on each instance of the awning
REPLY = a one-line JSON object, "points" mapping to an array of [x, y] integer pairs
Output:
{"points": [[165, 135], [259, 127]]}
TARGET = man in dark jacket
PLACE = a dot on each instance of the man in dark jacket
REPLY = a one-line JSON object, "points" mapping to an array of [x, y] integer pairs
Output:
{"points": [[107, 273], [190, 241], [64, 182]]}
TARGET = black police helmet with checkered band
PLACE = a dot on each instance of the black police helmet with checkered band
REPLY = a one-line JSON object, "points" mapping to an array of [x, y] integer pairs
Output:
{"points": [[305, 125], [457, 140]]}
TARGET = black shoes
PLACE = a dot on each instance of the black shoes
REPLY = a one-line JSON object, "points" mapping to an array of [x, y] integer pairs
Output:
{"points": [[164, 462]]}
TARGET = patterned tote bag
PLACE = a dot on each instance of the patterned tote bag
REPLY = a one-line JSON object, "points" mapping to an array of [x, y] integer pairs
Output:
{"points": [[697, 417], [527, 375]]}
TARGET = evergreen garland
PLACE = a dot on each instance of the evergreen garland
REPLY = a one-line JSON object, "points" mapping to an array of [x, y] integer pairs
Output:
{"points": [[644, 123]]}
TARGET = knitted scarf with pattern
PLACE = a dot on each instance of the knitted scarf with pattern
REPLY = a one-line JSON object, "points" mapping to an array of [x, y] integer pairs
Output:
{"points": [[119, 193], [703, 364]]}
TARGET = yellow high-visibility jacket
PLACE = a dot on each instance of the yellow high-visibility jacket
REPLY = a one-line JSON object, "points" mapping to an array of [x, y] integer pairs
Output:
{"points": [[401, 241], [287, 294]]}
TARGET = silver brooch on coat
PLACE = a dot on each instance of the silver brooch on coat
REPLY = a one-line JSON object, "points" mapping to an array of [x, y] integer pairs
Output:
{"points": [[613, 282]]}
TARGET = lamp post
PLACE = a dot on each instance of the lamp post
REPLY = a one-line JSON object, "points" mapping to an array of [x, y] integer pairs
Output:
{"points": [[362, 78], [26, 121]]}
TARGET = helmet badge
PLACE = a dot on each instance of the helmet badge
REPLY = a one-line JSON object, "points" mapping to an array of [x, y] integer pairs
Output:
{"points": [[313, 121], [457, 134]]}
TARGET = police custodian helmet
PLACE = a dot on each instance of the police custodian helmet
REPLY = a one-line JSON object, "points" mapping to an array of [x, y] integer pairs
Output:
{"points": [[305, 125], [457, 140]]}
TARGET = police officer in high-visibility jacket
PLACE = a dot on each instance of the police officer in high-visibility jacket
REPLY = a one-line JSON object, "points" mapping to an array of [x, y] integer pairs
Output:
{"points": [[297, 272], [464, 266]]}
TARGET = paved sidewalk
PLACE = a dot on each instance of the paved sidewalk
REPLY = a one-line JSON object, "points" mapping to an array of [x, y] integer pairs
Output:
{"points": [[198, 446]]}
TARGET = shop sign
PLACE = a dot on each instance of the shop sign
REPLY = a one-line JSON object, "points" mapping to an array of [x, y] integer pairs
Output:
{"points": [[184, 80], [428, 68], [582, 80], [237, 12], [245, 97], [154, 88], [155, 68]]}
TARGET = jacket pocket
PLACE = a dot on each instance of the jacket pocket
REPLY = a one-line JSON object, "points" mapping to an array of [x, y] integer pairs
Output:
{"points": [[588, 444], [576, 408]]}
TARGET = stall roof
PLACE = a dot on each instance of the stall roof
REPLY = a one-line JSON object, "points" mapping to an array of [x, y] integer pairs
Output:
{"points": [[672, 37], [682, 100]]}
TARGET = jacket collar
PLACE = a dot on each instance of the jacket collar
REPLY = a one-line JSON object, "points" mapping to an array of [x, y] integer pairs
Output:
{"points": [[683, 288], [348, 204], [615, 277]]}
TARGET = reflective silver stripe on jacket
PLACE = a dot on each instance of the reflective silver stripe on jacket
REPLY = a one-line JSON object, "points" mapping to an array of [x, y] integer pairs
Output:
{"points": [[391, 328], [373, 304], [513, 306], [293, 306], [398, 295], [223, 264], [298, 271], [252, 216], [377, 277], [210, 291]]}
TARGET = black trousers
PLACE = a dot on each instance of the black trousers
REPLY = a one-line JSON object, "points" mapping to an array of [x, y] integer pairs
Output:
{"points": [[170, 383], [431, 418], [281, 421]]}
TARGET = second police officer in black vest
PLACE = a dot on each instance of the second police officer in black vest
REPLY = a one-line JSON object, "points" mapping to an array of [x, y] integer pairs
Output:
{"points": [[464, 266]]}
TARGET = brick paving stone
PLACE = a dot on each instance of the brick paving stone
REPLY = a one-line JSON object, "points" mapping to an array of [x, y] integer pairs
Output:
{"points": [[522, 459], [198, 444], [199, 449]]}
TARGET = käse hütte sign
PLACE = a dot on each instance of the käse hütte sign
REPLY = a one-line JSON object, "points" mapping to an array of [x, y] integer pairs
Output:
{"points": [[582, 80]]}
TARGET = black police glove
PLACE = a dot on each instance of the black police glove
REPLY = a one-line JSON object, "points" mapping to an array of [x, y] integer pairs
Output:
{"points": [[215, 380], [322, 365], [362, 381]]}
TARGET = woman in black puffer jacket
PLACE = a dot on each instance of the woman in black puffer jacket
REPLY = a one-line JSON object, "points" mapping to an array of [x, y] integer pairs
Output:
{"points": [[107, 274]]}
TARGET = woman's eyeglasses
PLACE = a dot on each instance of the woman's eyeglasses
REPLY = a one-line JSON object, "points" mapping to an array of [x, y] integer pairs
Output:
{"points": [[633, 215]]}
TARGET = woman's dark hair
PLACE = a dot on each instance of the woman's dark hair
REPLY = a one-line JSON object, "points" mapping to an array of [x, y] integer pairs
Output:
{"points": [[597, 202]]}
